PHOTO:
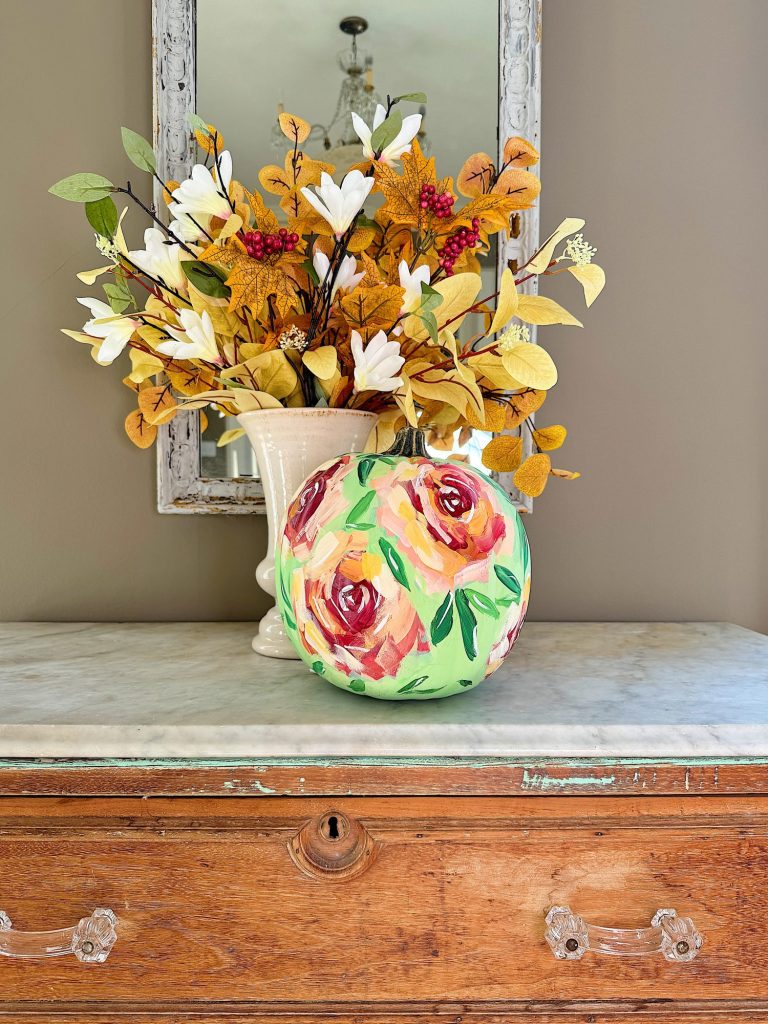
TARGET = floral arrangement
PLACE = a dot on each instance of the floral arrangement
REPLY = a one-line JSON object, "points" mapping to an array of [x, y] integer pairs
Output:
{"points": [[325, 305]]}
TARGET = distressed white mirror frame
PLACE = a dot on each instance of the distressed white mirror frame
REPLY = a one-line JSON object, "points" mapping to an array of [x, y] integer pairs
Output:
{"points": [[180, 486]]}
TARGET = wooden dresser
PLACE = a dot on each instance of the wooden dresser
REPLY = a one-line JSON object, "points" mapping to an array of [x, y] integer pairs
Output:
{"points": [[190, 833]]}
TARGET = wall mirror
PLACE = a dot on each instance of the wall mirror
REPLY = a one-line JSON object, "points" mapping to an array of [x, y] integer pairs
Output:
{"points": [[237, 62]]}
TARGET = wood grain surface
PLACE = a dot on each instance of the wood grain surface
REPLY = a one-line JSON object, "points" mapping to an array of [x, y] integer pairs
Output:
{"points": [[516, 1013], [383, 777], [213, 912]]}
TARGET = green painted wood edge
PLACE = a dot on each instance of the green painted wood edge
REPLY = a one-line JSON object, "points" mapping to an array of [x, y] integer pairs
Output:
{"points": [[264, 763]]}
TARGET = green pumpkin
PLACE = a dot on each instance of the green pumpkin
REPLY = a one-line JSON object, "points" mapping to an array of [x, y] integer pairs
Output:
{"points": [[400, 576]]}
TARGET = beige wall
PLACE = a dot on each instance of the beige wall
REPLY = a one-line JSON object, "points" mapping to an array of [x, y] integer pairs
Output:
{"points": [[655, 131]]}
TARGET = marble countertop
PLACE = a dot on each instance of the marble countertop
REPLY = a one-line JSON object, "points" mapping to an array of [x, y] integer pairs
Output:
{"points": [[196, 690]]}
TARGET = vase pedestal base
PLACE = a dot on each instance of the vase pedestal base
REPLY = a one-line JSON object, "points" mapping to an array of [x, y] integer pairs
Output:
{"points": [[271, 639]]}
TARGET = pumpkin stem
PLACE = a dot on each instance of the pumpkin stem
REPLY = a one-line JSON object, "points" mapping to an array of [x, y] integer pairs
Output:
{"points": [[409, 444]]}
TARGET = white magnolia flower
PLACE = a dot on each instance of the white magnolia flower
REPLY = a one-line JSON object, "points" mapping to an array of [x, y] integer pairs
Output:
{"points": [[377, 363], [412, 282], [201, 196], [115, 330], [160, 260], [399, 145], [339, 205], [197, 340], [346, 278]]}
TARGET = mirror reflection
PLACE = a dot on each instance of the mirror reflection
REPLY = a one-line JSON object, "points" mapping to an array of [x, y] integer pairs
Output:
{"points": [[321, 62]]}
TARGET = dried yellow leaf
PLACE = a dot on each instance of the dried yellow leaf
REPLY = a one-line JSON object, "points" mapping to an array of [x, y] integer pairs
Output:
{"points": [[476, 175], [323, 361], [294, 128], [531, 365], [458, 293], [383, 432], [367, 310], [537, 309], [189, 380], [157, 404], [493, 420], [531, 478], [489, 365], [519, 152], [143, 365], [137, 428], [209, 140], [170, 188], [502, 454], [565, 474], [549, 438], [591, 278], [523, 405], [507, 302], [521, 187], [541, 260], [229, 436]]}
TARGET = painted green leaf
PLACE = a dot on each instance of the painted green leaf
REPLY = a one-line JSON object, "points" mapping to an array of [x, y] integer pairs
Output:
{"points": [[413, 684], [360, 510], [442, 623], [509, 580], [102, 216], [431, 689], [139, 151], [357, 685], [481, 603], [395, 562], [468, 623], [505, 602], [387, 131], [318, 668], [466, 682], [205, 278], [82, 188], [364, 468]]}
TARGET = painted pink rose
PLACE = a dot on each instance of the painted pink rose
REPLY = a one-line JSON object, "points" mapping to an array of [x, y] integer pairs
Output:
{"points": [[322, 488], [446, 519], [514, 623], [351, 612]]}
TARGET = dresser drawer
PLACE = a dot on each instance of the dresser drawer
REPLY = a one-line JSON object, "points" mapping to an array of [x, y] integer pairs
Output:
{"points": [[412, 900]]}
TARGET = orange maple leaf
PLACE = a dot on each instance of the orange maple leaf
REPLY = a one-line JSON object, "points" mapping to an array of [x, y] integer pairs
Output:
{"points": [[367, 310], [403, 191]]}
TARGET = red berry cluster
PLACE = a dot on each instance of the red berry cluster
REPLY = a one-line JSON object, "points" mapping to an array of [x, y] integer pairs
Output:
{"points": [[259, 245], [440, 204], [454, 245]]}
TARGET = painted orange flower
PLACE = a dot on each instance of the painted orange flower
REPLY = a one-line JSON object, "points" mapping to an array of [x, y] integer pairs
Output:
{"points": [[350, 610], [446, 519]]}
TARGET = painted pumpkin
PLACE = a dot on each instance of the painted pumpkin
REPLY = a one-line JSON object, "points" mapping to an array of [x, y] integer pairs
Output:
{"points": [[400, 576]]}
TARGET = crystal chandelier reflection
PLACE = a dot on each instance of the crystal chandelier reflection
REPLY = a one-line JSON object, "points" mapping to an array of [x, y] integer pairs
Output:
{"points": [[336, 141]]}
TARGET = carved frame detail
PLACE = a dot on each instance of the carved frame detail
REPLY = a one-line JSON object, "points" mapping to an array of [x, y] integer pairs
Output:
{"points": [[180, 486]]}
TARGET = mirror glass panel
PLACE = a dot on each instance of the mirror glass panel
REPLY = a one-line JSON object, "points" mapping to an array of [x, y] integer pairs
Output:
{"points": [[255, 57]]}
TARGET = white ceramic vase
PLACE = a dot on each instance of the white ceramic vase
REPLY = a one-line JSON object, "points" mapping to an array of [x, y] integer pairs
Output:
{"points": [[290, 444]]}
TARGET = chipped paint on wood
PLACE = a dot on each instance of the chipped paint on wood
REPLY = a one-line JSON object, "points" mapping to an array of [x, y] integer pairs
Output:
{"points": [[542, 783]]}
